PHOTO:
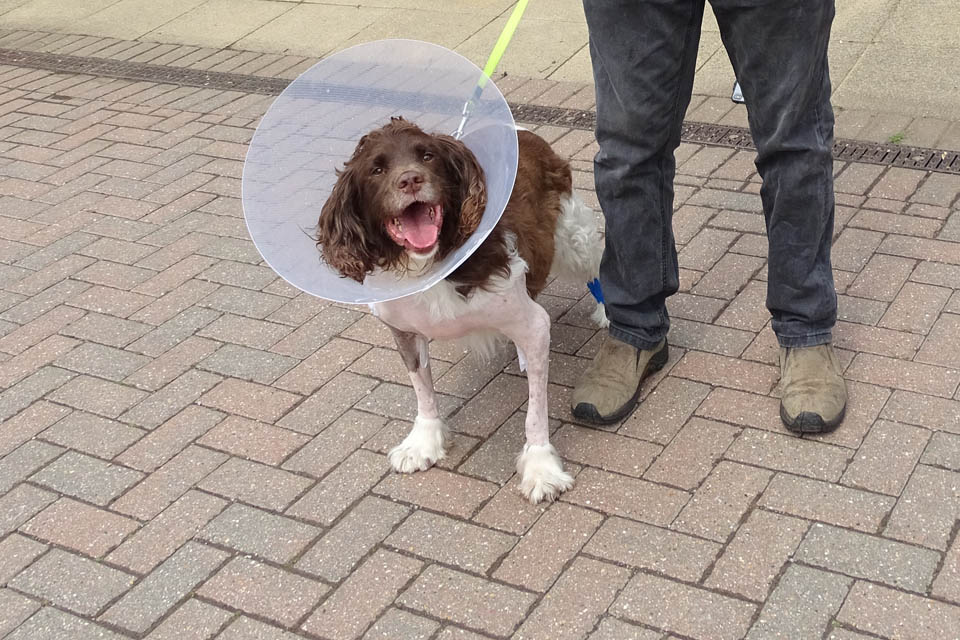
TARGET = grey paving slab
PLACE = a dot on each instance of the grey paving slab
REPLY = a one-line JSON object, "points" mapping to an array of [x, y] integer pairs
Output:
{"points": [[73, 582]]}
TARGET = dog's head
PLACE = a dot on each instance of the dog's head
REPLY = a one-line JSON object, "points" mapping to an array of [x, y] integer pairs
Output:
{"points": [[405, 197]]}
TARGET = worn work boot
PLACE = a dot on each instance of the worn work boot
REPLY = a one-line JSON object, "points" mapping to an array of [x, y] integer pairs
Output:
{"points": [[814, 396], [609, 388]]}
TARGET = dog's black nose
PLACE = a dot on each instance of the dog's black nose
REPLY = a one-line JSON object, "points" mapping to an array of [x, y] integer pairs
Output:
{"points": [[410, 181]]}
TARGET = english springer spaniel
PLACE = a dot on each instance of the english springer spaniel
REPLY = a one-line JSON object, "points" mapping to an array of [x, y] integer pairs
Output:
{"points": [[406, 198]]}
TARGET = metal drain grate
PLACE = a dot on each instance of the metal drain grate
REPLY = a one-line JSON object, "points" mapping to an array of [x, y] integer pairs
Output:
{"points": [[894, 155], [694, 132], [143, 71], [898, 156], [556, 116]]}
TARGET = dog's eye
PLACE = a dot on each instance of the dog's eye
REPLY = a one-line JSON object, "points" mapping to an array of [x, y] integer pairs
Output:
{"points": [[377, 171], [427, 156]]}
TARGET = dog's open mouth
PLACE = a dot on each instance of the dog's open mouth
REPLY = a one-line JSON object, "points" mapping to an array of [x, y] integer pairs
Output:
{"points": [[417, 227]]}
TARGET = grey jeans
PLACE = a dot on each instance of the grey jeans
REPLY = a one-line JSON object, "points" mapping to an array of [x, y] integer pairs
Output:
{"points": [[644, 54]]}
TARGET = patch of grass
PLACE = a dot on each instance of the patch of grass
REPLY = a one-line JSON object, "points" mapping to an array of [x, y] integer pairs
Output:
{"points": [[897, 138]]}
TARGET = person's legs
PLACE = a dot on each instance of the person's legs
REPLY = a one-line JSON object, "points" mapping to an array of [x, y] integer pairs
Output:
{"points": [[779, 52], [644, 56]]}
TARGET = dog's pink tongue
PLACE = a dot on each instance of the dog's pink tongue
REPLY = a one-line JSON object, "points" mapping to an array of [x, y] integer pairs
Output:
{"points": [[418, 229]]}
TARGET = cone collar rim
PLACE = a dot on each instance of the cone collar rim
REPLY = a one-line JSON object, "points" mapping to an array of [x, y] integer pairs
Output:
{"points": [[313, 126]]}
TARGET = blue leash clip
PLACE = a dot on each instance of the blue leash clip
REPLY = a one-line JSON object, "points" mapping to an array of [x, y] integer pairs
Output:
{"points": [[596, 290]]}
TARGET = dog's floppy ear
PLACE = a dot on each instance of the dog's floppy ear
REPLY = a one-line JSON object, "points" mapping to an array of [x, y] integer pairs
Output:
{"points": [[342, 233], [468, 175]]}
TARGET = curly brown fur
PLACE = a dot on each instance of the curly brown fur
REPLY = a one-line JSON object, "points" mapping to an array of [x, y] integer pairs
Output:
{"points": [[543, 178]]}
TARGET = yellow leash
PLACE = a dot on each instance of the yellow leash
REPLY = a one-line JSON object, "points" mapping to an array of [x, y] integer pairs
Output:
{"points": [[498, 49]]}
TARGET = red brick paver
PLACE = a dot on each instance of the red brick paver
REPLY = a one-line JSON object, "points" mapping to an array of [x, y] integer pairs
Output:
{"points": [[191, 448]]}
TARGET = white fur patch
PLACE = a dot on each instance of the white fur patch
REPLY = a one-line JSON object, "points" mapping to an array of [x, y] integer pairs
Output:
{"points": [[423, 446], [444, 302], [579, 248], [484, 345], [541, 473], [577, 241], [521, 359], [418, 263], [599, 316]]}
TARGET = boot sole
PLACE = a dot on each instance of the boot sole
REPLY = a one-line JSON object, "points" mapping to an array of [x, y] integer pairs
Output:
{"points": [[809, 422], [588, 413]]}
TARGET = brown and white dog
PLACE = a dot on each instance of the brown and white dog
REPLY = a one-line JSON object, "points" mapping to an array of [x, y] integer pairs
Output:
{"points": [[406, 198]]}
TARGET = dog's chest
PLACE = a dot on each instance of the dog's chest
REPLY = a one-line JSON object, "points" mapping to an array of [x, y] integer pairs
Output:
{"points": [[442, 314], [417, 319]]}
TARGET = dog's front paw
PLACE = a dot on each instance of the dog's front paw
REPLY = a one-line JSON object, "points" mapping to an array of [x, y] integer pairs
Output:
{"points": [[422, 448], [541, 473]]}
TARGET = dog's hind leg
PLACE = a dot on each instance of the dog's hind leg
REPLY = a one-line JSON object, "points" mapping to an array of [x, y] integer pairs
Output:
{"points": [[425, 443]]}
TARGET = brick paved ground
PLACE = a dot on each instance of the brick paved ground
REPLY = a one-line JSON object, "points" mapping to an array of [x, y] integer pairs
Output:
{"points": [[193, 449]]}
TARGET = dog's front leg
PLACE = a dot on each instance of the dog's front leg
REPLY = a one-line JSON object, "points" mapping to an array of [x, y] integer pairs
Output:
{"points": [[541, 470], [424, 445]]}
